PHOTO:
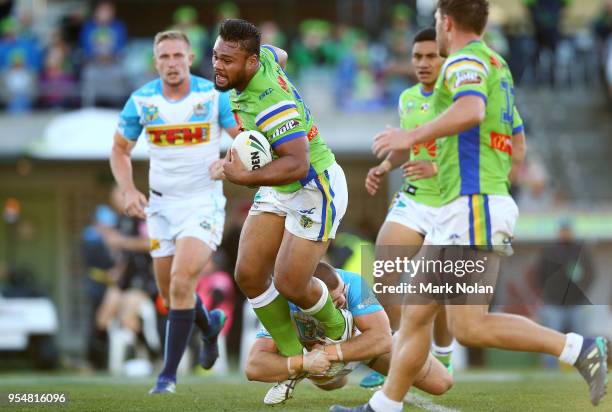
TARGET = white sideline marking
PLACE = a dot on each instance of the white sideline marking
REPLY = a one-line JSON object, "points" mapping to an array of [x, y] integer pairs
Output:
{"points": [[424, 403]]}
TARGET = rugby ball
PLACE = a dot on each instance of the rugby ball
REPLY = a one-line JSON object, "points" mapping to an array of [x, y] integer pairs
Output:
{"points": [[253, 149]]}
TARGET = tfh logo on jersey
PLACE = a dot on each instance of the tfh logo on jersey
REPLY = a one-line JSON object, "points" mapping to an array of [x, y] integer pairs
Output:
{"points": [[179, 134]]}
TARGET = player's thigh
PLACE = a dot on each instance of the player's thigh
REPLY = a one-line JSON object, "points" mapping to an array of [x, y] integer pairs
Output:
{"points": [[192, 254], [396, 234], [395, 241], [260, 241], [296, 263], [161, 268]]}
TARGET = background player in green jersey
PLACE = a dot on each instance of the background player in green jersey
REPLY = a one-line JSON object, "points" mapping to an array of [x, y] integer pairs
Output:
{"points": [[415, 206], [475, 102], [303, 194]]}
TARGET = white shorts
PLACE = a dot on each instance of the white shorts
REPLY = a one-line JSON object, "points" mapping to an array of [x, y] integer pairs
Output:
{"points": [[314, 212], [414, 215], [476, 220], [202, 218]]}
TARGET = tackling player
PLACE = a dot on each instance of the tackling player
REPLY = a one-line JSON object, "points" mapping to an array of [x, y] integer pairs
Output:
{"points": [[474, 97], [182, 116], [372, 345], [303, 194]]}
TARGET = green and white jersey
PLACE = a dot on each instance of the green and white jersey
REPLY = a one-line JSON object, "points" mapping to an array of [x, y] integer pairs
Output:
{"points": [[477, 161], [415, 109], [272, 105]]}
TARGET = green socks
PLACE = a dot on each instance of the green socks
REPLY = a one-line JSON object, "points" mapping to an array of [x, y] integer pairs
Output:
{"points": [[326, 313], [272, 309]]}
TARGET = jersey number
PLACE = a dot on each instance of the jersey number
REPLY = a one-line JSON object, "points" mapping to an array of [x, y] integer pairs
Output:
{"points": [[508, 109]]}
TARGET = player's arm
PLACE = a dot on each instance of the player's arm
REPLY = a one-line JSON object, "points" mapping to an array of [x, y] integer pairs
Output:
{"points": [[117, 240], [227, 120], [519, 146], [419, 169], [265, 364], [465, 113], [280, 55], [121, 166], [393, 160], [374, 340], [519, 150], [233, 131], [292, 164]]}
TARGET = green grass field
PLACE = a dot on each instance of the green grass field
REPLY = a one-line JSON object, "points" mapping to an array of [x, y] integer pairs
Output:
{"points": [[486, 391]]}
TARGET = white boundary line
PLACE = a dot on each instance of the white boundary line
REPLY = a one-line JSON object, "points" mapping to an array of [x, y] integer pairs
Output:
{"points": [[425, 403]]}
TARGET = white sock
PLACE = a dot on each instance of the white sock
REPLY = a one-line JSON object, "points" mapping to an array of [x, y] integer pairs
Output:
{"points": [[321, 302], [380, 403], [572, 348], [442, 350]]}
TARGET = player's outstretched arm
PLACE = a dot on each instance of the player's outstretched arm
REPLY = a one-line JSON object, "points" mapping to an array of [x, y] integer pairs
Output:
{"points": [[121, 166], [374, 340], [265, 364], [292, 165], [466, 113]]}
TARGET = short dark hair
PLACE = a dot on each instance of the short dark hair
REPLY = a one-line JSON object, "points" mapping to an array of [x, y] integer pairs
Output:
{"points": [[328, 275], [468, 14], [242, 32], [428, 34]]}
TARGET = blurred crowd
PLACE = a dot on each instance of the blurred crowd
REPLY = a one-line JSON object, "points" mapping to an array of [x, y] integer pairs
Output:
{"points": [[125, 311], [90, 59]]}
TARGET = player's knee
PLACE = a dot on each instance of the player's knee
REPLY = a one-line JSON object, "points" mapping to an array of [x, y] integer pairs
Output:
{"points": [[469, 333], [288, 290], [442, 385], [384, 343], [180, 288], [446, 383], [251, 372], [249, 283]]}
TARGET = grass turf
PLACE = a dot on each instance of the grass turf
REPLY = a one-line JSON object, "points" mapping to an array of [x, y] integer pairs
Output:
{"points": [[533, 391]]}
